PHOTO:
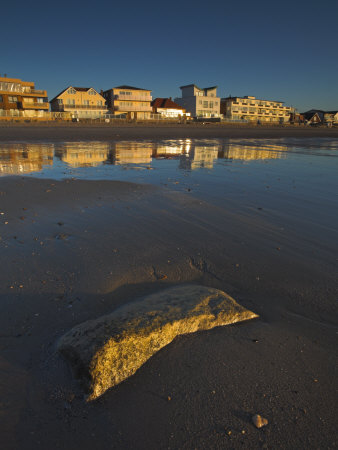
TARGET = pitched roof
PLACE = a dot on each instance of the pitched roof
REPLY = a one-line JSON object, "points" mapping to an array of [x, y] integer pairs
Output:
{"points": [[125, 86], [165, 103], [310, 114], [81, 89]]}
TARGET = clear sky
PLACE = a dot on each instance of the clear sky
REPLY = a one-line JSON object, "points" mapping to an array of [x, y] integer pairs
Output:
{"points": [[279, 50]]}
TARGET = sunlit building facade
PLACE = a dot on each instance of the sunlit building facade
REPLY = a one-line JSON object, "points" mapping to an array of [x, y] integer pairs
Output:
{"points": [[129, 101], [20, 99], [252, 109], [80, 102], [167, 108], [199, 102]]}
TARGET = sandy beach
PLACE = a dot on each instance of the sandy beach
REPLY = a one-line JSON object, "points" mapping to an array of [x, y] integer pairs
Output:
{"points": [[79, 132], [72, 250]]}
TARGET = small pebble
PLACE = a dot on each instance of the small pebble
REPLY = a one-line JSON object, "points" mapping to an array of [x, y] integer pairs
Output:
{"points": [[259, 421]]}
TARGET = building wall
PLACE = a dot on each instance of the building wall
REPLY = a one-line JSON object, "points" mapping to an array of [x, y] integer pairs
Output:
{"points": [[20, 98], [253, 109], [188, 103], [135, 103], [203, 102], [82, 104]]}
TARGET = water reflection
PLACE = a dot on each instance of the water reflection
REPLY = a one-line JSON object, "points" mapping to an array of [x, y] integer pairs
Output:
{"points": [[190, 154], [25, 158], [88, 154]]}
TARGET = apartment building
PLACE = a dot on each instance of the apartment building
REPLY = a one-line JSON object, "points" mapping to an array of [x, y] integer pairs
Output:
{"points": [[253, 109], [20, 99], [200, 102], [129, 101], [80, 102]]}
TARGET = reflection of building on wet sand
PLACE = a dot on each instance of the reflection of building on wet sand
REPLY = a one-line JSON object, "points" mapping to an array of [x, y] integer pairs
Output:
{"points": [[18, 159], [83, 154], [132, 153], [171, 148], [252, 152], [200, 157]]}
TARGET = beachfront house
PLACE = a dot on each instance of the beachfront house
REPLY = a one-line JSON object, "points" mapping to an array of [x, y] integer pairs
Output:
{"points": [[331, 117], [252, 109], [313, 116], [80, 103], [199, 102], [129, 101], [167, 108], [20, 99]]}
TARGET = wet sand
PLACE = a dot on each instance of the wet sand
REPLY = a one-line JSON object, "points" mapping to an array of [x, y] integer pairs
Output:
{"points": [[74, 250], [103, 132]]}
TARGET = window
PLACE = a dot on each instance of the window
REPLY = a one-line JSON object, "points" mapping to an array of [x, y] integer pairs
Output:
{"points": [[200, 102], [99, 103], [60, 101], [91, 92], [70, 102], [86, 102], [211, 104], [39, 100], [71, 91], [1, 99], [205, 104], [12, 99]]}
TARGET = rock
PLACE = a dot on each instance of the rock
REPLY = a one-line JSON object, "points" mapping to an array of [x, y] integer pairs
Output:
{"points": [[259, 421], [113, 347]]}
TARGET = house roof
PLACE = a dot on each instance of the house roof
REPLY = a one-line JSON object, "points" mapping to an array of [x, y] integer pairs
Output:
{"points": [[81, 89], [125, 86], [309, 114], [201, 89], [165, 103]]}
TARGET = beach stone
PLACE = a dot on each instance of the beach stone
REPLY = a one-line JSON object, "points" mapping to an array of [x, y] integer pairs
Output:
{"points": [[107, 350], [259, 421]]}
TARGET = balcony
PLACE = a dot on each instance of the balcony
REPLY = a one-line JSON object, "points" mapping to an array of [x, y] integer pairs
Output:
{"points": [[35, 92], [35, 105], [133, 108], [64, 107], [140, 98]]}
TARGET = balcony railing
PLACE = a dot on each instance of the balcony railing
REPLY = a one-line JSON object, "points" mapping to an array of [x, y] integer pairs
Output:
{"points": [[133, 108], [37, 91], [140, 98], [97, 107], [40, 105]]}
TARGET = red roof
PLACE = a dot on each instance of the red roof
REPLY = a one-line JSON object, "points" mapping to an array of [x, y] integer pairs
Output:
{"points": [[165, 103]]}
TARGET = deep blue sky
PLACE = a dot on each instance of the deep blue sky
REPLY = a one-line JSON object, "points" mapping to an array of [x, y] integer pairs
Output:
{"points": [[279, 50]]}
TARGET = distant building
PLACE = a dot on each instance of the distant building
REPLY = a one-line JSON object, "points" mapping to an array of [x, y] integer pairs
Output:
{"points": [[133, 102], [320, 116], [167, 108], [83, 103], [199, 102], [331, 117], [253, 109], [314, 116], [20, 98]]}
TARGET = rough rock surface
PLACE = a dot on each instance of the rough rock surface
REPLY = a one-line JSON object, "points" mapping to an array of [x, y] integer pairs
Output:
{"points": [[110, 349]]}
